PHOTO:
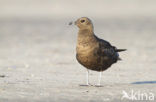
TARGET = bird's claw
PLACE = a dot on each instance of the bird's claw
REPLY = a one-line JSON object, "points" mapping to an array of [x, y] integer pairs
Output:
{"points": [[98, 85], [86, 85]]}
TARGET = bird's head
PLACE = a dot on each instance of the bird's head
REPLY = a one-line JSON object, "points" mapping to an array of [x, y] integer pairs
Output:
{"points": [[84, 23]]}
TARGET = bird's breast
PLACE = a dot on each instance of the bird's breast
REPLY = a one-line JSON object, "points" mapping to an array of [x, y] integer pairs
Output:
{"points": [[85, 54], [84, 49]]}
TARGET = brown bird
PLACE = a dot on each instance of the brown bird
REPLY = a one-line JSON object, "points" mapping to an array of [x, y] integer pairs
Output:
{"points": [[92, 52]]}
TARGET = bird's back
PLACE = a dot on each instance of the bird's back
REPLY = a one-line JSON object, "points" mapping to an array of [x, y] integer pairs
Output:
{"points": [[107, 54]]}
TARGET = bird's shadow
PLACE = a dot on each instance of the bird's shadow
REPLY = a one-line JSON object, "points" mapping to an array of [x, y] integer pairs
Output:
{"points": [[144, 82]]}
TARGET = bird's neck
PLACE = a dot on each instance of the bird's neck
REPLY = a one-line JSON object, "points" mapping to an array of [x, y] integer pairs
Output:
{"points": [[85, 36], [86, 32]]}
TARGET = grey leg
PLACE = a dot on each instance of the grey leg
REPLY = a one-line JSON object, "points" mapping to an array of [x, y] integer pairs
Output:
{"points": [[87, 77], [99, 79]]}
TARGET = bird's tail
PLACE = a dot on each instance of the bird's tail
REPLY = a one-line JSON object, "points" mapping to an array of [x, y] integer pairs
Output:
{"points": [[119, 59], [120, 50]]}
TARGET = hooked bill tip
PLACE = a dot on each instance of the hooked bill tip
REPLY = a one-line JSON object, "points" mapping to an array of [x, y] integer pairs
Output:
{"points": [[70, 23]]}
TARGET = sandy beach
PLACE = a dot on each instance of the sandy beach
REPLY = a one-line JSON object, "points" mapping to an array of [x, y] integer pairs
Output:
{"points": [[37, 55]]}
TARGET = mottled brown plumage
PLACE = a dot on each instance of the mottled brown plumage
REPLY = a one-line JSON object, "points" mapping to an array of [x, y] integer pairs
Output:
{"points": [[92, 52]]}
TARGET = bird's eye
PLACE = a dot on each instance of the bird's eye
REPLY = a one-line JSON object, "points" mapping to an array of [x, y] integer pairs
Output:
{"points": [[82, 21]]}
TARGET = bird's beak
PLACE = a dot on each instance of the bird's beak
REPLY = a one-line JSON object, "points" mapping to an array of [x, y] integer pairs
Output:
{"points": [[70, 23]]}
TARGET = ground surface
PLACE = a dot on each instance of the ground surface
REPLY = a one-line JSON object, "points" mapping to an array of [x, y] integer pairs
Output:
{"points": [[37, 59]]}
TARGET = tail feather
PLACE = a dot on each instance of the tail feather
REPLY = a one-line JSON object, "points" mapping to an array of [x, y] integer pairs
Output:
{"points": [[119, 59], [120, 50]]}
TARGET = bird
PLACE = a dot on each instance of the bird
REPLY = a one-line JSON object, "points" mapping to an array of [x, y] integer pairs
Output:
{"points": [[92, 52]]}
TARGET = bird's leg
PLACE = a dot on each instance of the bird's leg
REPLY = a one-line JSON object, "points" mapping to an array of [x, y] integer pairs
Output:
{"points": [[99, 80], [87, 77]]}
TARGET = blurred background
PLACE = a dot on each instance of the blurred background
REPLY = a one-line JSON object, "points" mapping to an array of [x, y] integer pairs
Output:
{"points": [[59, 9], [37, 55]]}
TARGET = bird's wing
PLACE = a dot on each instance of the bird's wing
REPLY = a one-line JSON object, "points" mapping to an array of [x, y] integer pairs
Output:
{"points": [[106, 49]]}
